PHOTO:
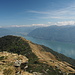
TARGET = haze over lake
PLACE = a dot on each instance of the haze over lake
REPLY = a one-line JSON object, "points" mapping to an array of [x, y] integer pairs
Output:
{"points": [[67, 49]]}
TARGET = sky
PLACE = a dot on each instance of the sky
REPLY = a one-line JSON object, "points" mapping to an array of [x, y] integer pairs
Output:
{"points": [[21, 13]]}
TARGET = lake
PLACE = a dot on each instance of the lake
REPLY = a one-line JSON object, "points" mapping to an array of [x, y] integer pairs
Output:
{"points": [[67, 49]]}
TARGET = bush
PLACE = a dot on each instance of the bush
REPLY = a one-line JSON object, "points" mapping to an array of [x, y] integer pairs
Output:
{"points": [[2, 58]]}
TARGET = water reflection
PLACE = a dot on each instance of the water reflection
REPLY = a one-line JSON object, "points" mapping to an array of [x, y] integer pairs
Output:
{"points": [[67, 49]]}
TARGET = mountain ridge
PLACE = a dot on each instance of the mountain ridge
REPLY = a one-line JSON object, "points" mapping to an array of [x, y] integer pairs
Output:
{"points": [[38, 55], [55, 33]]}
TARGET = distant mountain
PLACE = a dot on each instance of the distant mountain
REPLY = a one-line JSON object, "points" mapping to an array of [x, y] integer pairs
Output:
{"points": [[21, 30], [41, 59], [16, 30], [4, 32], [55, 33]]}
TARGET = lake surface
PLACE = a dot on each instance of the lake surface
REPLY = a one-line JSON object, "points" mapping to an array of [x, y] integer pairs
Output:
{"points": [[67, 49]]}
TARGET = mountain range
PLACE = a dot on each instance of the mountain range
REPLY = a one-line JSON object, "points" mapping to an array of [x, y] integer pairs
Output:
{"points": [[16, 30], [4, 32], [55, 33], [52, 33]]}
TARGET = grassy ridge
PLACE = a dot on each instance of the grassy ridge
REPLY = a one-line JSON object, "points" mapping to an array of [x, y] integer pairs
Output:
{"points": [[18, 45], [60, 56]]}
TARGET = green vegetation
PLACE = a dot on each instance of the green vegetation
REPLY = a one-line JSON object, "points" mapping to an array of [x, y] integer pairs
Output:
{"points": [[16, 45], [3, 57], [43, 68]]}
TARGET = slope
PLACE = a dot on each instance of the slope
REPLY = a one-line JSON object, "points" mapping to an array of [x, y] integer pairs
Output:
{"points": [[7, 61], [40, 60]]}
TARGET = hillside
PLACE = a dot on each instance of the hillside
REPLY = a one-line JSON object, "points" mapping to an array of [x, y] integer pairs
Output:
{"points": [[55, 33], [7, 61], [41, 60]]}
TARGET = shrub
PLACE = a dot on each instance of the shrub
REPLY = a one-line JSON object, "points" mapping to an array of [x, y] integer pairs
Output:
{"points": [[2, 58]]}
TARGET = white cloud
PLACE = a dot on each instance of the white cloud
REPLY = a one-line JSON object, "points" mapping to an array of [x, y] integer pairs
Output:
{"points": [[62, 23], [56, 17], [40, 25], [20, 26], [62, 13], [52, 17], [36, 25], [15, 26], [38, 12], [59, 17]]}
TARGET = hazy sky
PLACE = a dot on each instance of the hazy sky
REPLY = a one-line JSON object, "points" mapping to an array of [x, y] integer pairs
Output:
{"points": [[37, 12]]}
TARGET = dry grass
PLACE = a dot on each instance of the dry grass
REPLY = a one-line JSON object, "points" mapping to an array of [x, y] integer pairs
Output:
{"points": [[50, 59]]}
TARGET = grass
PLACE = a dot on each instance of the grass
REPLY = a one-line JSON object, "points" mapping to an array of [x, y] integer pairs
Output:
{"points": [[20, 46], [8, 71]]}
